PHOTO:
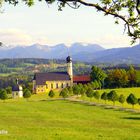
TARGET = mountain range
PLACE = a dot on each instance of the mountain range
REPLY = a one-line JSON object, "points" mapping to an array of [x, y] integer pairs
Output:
{"points": [[93, 53]]}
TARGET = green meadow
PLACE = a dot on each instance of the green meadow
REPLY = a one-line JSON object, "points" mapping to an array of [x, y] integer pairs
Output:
{"points": [[42, 119]]}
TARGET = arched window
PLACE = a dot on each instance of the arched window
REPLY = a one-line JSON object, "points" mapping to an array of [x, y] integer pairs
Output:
{"points": [[67, 84], [52, 86], [46, 85], [62, 85], [56, 85]]}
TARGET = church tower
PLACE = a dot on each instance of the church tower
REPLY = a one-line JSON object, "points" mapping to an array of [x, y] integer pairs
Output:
{"points": [[69, 68]]}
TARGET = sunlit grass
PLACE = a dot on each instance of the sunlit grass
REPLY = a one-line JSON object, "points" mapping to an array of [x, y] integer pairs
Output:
{"points": [[55, 120]]}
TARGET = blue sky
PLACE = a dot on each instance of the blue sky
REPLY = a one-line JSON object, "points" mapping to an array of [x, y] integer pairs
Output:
{"points": [[44, 24]]}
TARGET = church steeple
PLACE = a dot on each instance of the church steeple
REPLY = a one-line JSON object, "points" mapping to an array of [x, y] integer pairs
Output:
{"points": [[69, 67]]}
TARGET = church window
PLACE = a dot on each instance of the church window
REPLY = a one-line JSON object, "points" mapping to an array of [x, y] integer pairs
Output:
{"points": [[52, 86], [46, 85], [56, 85], [62, 85], [67, 84]]}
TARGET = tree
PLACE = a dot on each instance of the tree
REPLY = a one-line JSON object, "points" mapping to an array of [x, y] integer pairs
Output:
{"points": [[97, 75], [90, 93], [82, 91], [139, 101], [3, 95], [64, 93], [121, 99], [27, 94], [96, 95], [70, 89], [76, 89], [117, 78], [130, 18], [51, 94], [112, 96], [132, 76], [9, 90], [104, 96], [131, 99]]}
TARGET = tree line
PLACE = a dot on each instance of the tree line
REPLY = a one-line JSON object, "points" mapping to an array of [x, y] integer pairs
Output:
{"points": [[115, 78], [85, 90], [4, 93]]}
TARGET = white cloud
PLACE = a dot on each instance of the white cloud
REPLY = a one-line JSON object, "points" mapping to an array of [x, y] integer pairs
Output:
{"points": [[15, 37], [113, 41]]}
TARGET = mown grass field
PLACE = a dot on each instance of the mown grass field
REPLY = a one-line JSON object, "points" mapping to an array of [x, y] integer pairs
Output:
{"points": [[39, 119]]}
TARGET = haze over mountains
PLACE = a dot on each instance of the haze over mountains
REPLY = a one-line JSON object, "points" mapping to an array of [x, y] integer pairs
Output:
{"points": [[78, 51]]}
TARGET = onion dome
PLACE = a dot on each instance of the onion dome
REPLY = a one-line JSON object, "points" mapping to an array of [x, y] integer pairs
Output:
{"points": [[69, 59]]}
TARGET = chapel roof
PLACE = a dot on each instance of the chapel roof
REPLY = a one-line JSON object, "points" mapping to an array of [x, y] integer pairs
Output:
{"points": [[41, 78]]}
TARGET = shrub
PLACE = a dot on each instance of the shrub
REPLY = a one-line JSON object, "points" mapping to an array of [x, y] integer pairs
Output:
{"points": [[3, 95], [51, 94], [27, 94]]}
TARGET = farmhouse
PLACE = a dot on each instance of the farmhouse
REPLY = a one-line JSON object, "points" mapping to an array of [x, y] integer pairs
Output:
{"points": [[57, 80]]}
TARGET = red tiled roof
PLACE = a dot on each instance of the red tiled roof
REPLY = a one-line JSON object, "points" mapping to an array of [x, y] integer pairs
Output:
{"points": [[81, 78]]}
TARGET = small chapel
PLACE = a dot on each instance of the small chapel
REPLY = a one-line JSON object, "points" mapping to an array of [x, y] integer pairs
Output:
{"points": [[44, 82]]}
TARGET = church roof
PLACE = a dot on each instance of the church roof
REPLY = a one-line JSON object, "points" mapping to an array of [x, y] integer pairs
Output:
{"points": [[41, 78], [15, 88], [81, 78]]}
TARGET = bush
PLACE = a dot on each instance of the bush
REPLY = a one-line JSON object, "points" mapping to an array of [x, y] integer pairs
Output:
{"points": [[64, 93], [51, 94], [27, 94], [3, 94]]}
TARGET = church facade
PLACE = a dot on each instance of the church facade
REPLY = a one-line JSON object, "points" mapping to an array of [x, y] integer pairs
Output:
{"points": [[44, 82]]}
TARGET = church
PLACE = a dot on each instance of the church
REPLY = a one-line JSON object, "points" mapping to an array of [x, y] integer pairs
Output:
{"points": [[44, 82]]}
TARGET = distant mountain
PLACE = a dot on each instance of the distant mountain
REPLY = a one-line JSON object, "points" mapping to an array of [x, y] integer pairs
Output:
{"points": [[129, 55], [80, 52], [59, 51]]}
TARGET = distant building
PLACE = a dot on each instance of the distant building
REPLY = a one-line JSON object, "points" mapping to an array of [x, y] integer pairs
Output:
{"points": [[17, 90], [43, 82]]}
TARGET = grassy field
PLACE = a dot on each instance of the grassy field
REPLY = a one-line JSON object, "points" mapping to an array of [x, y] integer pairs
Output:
{"points": [[64, 120], [41, 119]]}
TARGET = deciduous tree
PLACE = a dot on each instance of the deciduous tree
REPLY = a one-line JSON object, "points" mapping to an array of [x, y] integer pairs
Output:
{"points": [[96, 95], [131, 99], [104, 96], [112, 96], [90, 93], [97, 75], [121, 99]]}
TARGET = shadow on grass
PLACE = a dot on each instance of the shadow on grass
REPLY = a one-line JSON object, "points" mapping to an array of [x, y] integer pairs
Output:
{"points": [[131, 118]]}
